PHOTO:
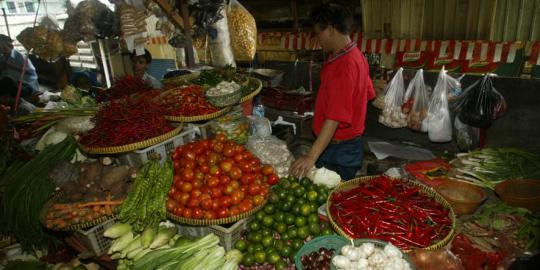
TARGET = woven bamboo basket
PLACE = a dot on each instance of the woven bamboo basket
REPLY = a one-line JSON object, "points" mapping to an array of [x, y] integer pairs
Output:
{"points": [[181, 80], [225, 100], [255, 84], [209, 222], [80, 226], [423, 189], [197, 118], [131, 146]]}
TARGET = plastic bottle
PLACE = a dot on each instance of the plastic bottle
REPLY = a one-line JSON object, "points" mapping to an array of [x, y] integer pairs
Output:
{"points": [[258, 108]]}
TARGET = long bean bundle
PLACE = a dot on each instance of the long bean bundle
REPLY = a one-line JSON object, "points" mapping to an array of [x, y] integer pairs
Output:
{"points": [[27, 190]]}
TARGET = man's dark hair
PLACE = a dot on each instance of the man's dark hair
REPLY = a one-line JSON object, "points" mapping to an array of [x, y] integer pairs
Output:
{"points": [[332, 14], [147, 56]]}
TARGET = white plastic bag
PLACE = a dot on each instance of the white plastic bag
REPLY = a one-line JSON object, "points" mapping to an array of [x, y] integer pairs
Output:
{"points": [[392, 116], [272, 151], [417, 95], [439, 124], [220, 46], [243, 32]]}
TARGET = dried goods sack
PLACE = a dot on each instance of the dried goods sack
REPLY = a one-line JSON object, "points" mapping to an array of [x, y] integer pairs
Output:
{"points": [[243, 32]]}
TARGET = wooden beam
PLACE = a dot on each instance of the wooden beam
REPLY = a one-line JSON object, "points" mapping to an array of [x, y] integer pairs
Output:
{"points": [[171, 14], [190, 56]]}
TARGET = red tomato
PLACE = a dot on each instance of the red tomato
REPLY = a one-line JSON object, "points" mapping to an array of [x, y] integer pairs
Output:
{"points": [[187, 213], [193, 203], [178, 211], [195, 193], [228, 151], [235, 173], [177, 165], [267, 170], [228, 189], [258, 200], [172, 191], [235, 184], [214, 170], [244, 188], [237, 197], [171, 204], [234, 210], [198, 174], [272, 179], [187, 174], [248, 178], [177, 196], [216, 192], [247, 155], [245, 166], [201, 160], [213, 181], [223, 213], [205, 144], [206, 204], [175, 155], [220, 137], [205, 190], [215, 205], [263, 192], [190, 164], [177, 178], [224, 179], [190, 155], [209, 214], [198, 183], [186, 187], [226, 166], [238, 148], [213, 158], [198, 213], [225, 201], [254, 189], [243, 208], [204, 168], [238, 157], [218, 147]]}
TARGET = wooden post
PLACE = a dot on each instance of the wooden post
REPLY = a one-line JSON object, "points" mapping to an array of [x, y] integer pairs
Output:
{"points": [[294, 14], [190, 58], [5, 19]]}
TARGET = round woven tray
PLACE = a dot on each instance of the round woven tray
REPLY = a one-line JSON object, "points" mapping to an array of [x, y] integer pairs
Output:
{"points": [[187, 119], [81, 226], [131, 146], [225, 100], [256, 84], [208, 222], [180, 80], [423, 189]]}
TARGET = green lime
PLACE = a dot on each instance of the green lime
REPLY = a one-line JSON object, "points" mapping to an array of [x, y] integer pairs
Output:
{"points": [[279, 244], [313, 218], [260, 215], [303, 232], [240, 245], [312, 196], [268, 221], [300, 221], [321, 198], [286, 206], [296, 209], [305, 182], [279, 216], [314, 228], [258, 247], [289, 219], [260, 257], [248, 260], [281, 265], [281, 227], [273, 198], [327, 231], [293, 233], [266, 232], [305, 210], [250, 236], [297, 244], [255, 226], [282, 194], [250, 249], [285, 251], [285, 183], [273, 257], [285, 236], [313, 207], [290, 198], [268, 241], [257, 237], [269, 209], [301, 201]]}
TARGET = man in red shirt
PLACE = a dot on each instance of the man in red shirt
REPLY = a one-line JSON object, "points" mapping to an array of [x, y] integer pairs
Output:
{"points": [[340, 108]]}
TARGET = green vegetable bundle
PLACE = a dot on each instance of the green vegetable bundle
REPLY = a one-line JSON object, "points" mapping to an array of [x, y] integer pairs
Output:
{"points": [[27, 190], [145, 205]]}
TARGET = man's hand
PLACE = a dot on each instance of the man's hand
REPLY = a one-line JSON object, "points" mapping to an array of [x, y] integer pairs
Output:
{"points": [[302, 166]]}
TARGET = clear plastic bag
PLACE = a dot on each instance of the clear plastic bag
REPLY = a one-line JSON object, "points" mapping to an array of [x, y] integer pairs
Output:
{"points": [[481, 104], [235, 126], [417, 94], [467, 137], [243, 31], [392, 116], [272, 151], [439, 125], [219, 43]]}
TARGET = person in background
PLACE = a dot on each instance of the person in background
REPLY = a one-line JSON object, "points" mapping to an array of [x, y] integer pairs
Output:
{"points": [[11, 68], [140, 64], [341, 104]]}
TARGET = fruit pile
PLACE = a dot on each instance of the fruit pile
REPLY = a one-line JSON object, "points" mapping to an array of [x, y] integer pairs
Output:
{"points": [[217, 178], [281, 228]]}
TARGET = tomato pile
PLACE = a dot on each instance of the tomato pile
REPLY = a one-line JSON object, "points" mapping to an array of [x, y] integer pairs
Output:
{"points": [[187, 101], [217, 178]]}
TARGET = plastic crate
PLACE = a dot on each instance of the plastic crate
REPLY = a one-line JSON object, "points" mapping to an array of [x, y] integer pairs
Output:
{"points": [[139, 157], [93, 238], [227, 234]]}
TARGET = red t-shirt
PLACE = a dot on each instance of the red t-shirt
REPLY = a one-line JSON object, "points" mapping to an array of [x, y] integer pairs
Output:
{"points": [[343, 95]]}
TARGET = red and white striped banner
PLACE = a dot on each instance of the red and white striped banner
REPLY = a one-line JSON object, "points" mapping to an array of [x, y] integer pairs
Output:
{"points": [[457, 49], [157, 40]]}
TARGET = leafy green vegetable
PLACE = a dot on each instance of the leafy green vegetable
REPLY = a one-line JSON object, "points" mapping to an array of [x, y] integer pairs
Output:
{"points": [[26, 265]]}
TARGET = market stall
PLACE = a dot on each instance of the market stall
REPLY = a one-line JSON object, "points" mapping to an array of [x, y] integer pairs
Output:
{"points": [[196, 175]]}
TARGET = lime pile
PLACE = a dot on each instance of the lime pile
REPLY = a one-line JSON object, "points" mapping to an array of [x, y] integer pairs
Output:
{"points": [[282, 227]]}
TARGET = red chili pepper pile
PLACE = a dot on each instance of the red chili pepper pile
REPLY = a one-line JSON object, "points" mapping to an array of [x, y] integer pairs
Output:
{"points": [[392, 211], [123, 87], [187, 101], [126, 121]]}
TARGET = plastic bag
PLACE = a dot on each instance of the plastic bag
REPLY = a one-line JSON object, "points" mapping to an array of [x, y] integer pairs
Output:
{"points": [[417, 95], [272, 151], [392, 116], [234, 125], [467, 137], [481, 104], [243, 31], [219, 43], [435, 259], [439, 124]]}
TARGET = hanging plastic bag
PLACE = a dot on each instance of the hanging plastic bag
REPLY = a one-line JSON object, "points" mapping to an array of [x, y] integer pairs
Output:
{"points": [[454, 87], [481, 104], [417, 95], [392, 116], [439, 125], [219, 42], [467, 137], [243, 31]]}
